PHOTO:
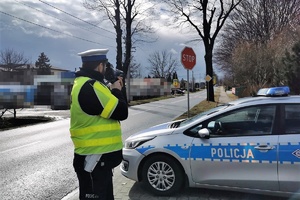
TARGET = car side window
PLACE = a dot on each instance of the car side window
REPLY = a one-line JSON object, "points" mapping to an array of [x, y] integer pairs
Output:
{"points": [[292, 119], [254, 120]]}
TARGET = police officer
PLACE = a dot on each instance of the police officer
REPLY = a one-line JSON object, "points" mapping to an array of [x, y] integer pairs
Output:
{"points": [[95, 128]]}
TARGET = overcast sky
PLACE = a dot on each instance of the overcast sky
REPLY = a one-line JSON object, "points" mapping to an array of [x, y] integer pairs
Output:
{"points": [[63, 28]]}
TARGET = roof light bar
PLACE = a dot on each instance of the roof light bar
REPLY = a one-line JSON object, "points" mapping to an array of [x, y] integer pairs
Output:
{"points": [[274, 91]]}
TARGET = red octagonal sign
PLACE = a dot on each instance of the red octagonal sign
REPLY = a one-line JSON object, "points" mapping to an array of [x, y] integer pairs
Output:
{"points": [[188, 58]]}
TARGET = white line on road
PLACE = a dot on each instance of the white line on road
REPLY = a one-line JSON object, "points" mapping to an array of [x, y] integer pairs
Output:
{"points": [[5, 151]]}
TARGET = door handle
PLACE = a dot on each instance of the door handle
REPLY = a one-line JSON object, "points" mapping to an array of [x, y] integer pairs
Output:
{"points": [[264, 147]]}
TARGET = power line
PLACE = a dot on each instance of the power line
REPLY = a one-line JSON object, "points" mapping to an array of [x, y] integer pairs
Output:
{"points": [[62, 19], [54, 30], [76, 17]]}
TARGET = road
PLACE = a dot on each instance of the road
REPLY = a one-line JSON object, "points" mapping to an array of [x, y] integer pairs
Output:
{"points": [[36, 161], [146, 115]]}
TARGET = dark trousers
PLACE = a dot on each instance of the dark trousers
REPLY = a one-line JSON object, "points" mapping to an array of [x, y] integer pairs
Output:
{"points": [[95, 185]]}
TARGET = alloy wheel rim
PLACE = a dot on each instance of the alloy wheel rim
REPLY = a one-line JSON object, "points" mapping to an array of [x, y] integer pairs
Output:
{"points": [[161, 176]]}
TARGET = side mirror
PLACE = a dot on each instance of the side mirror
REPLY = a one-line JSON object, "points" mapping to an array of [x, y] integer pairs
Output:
{"points": [[204, 133]]}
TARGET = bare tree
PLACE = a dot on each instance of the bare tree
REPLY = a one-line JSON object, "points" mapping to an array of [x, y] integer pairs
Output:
{"points": [[251, 74], [206, 18], [111, 10], [123, 14], [10, 60], [291, 61], [162, 64], [135, 69], [261, 20], [256, 36]]}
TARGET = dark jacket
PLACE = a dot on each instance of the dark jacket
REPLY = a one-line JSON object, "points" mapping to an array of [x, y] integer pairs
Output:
{"points": [[90, 104]]}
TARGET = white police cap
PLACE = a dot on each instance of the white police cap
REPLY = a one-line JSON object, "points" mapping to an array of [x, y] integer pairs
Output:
{"points": [[93, 55]]}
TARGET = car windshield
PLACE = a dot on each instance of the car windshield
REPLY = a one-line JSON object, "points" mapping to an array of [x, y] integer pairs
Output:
{"points": [[208, 112]]}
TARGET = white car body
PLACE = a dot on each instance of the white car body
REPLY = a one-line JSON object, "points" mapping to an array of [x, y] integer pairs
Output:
{"points": [[249, 145]]}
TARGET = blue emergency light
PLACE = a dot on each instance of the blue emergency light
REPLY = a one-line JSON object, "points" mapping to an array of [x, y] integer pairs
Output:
{"points": [[274, 91]]}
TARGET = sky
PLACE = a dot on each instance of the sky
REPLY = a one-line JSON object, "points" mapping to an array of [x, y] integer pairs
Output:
{"points": [[63, 28]]}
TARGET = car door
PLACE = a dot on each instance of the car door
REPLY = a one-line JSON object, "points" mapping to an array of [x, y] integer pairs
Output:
{"points": [[241, 151], [289, 150]]}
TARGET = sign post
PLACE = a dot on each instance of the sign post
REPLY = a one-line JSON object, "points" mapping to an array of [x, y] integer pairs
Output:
{"points": [[207, 79], [188, 60]]}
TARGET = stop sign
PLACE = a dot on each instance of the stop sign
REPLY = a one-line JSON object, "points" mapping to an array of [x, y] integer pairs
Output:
{"points": [[188, 58]]}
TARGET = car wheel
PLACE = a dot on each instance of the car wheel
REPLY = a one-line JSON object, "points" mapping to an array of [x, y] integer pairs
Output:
{"points": [[162, 175]]}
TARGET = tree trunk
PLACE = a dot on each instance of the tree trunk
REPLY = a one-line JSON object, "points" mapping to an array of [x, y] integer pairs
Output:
{"points": [[128, 42], [209, 71], [119, 37], [128, 46]]}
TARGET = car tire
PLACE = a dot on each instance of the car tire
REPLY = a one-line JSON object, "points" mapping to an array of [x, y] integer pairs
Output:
{"points": [[162, 175]]}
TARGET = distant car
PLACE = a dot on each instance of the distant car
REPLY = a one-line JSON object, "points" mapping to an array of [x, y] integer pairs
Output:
{"points": [[202, 85], [249, 145], [177, 91]]}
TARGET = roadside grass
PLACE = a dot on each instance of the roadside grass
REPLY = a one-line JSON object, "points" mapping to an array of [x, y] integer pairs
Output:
{"points": [[10, 122], [201, 107], [205, 105]]}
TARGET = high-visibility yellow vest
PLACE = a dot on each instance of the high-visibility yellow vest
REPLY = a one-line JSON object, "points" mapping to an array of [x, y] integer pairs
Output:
{"points": [[94, 134]]}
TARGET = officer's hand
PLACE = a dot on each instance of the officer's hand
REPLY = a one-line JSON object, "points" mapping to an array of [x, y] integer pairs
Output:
{"points": [[118, 84]]}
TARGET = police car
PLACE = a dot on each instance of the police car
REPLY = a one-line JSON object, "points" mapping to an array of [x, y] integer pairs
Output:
{"points": [[250, 145]]}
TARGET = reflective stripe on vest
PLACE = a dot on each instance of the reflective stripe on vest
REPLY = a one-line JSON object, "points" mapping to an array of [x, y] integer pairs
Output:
{"points": [[110, 104], [94, 134], [97, 142], [92, 129]]}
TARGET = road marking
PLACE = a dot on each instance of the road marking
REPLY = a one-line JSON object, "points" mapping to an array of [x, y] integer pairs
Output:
{"points": [[73, 195], [33, 143]]}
